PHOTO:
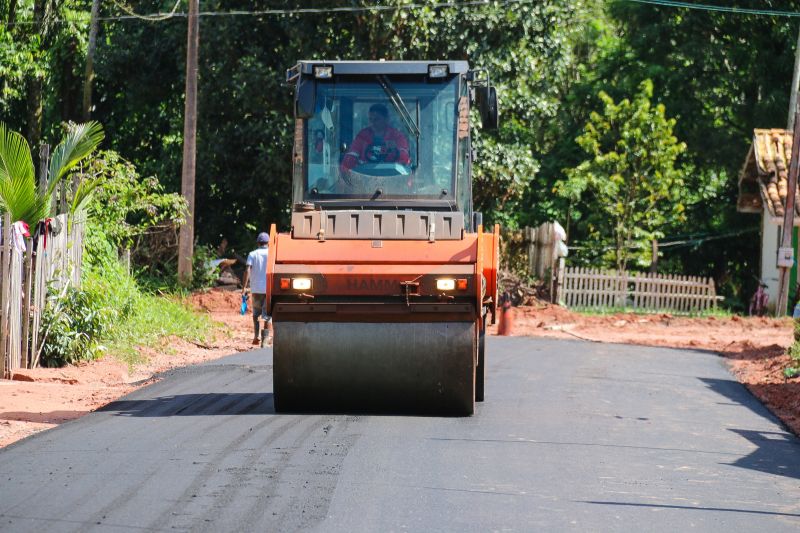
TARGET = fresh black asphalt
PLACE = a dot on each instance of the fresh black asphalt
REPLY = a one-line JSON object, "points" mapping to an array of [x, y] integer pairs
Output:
{"points": [[573, 436]]}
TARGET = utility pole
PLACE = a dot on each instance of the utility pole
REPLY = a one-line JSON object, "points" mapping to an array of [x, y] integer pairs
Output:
{"points": [[795, 83], [90, 48], [186, 233], [786, 250]]}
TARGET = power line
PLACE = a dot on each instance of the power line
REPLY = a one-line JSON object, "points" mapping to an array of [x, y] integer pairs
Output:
{"points": [[158, 17], [716, 8], [673, 244]]}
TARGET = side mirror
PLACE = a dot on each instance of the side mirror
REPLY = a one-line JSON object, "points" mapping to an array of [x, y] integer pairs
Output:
{"points": [[486, 100], [305, 98]]}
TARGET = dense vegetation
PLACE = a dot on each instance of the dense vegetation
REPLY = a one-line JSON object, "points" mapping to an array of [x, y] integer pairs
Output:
{"points": [[561, 67]]}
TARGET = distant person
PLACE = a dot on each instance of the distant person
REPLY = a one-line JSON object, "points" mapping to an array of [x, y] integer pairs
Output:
{"points": [[377, 143], [256, 274]]}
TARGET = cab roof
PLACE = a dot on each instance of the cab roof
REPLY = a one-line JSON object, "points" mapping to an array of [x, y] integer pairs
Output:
{"points": [[374, 67]]}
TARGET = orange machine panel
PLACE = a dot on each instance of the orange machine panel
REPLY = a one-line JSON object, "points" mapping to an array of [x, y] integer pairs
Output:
{"points": [[309, 252], [490, 245], [352, 280]]}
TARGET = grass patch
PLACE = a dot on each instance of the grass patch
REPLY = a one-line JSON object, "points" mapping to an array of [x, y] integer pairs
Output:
{"points": [[152, 320], [110, 314], [594, 311]]}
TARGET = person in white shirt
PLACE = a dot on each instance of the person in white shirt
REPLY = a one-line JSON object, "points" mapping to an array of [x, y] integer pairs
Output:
{"points": [[256, 274]]}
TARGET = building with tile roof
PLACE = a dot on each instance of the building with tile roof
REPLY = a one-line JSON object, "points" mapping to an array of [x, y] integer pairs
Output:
{"points": [[763, 189]]}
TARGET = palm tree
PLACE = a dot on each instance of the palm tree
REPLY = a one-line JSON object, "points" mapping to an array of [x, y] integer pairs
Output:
{"points": [[19, 195]]}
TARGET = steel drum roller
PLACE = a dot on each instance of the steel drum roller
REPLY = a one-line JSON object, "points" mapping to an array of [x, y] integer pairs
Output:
{"points": [[399, 367]]}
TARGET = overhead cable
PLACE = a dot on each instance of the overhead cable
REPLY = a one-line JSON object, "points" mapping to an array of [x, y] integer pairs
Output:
{"points": [[672, 244], [157, 17], [716, 8]]}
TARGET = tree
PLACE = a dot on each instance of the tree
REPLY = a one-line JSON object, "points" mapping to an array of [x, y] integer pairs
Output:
{"points": [[630, 179], [19, 195], [245, 132]]}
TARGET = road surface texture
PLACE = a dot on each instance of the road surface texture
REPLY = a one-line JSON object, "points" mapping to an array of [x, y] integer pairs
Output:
{"points": [[573, 436]]}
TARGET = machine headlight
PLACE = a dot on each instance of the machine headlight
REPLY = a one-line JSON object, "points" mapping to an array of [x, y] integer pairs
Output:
{"points": [[323, 72], [301, 284], [445, 284], [437, 71]]}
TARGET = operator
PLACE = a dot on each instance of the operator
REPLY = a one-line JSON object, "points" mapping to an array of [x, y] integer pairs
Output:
{"points": [[256, 273], [377, 143]]}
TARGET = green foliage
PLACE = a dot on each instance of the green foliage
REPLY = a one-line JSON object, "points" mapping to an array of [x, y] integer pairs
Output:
{"points": [[19, 194], [76, 320], [204, 273], [793, 370], [629, 186], [18, 61], [245, 121], [110, 314], [163, 278], [45, 47], [719, 75], [125, 209], [72, 324]]}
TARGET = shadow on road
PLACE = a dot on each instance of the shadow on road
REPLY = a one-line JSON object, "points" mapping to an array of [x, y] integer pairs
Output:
{"points": [[776, 452], [195, 405], [689, 508], [236, 404]]}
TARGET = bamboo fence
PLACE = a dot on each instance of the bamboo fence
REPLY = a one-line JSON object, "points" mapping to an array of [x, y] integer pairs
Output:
{"points": [[26, 277]]}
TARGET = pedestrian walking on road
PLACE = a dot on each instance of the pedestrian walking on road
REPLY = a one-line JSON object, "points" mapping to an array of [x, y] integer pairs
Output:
{"points": [[256, 274]]}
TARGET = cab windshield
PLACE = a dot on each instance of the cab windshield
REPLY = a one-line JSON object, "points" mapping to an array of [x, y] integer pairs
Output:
{"points": [[382, 138]]}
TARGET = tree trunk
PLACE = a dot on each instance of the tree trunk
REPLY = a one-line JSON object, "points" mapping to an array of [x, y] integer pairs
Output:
{"points": [[34, 103], [12, 11], [89, 76]]}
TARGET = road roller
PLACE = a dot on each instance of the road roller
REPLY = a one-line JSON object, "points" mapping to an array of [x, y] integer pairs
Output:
{"points": [[381, 290]]}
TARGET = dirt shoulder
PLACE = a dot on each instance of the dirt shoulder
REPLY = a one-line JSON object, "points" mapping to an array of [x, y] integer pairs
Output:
{"points": [[42, 398]]}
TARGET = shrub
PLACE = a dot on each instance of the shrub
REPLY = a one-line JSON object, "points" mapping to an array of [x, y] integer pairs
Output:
{"points": [[72, 324]]}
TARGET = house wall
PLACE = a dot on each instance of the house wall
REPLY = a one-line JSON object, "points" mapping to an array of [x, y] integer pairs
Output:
{"points": [[770, 238]]}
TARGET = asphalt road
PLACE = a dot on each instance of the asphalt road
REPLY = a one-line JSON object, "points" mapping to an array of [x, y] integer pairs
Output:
{"points": [[573, 436]]}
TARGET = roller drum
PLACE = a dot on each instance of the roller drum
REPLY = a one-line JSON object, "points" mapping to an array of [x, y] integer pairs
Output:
{"points": [[368, 367]]}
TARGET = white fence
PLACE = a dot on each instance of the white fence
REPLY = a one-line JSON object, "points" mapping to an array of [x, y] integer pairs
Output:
{"points": [[598, 289]]}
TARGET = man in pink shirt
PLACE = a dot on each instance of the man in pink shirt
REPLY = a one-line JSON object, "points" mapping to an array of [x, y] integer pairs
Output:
{"points": [[377, 143]]}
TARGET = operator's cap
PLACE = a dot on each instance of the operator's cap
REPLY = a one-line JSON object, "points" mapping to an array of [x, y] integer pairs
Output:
{"points": [[263, 238]]}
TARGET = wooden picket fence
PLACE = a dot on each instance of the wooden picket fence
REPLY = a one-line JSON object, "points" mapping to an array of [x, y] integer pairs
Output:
{"points": [[598, 289], [26, 277]]}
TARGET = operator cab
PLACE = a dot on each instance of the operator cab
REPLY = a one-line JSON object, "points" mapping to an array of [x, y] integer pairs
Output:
{"points": [[386, 135]]}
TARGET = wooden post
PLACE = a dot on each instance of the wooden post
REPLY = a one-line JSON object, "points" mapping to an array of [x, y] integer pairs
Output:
{"points": [[786, 252], [39, 296], [26, 304], [530, 236], [5, 296], [654, 260], [186, 233]]}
